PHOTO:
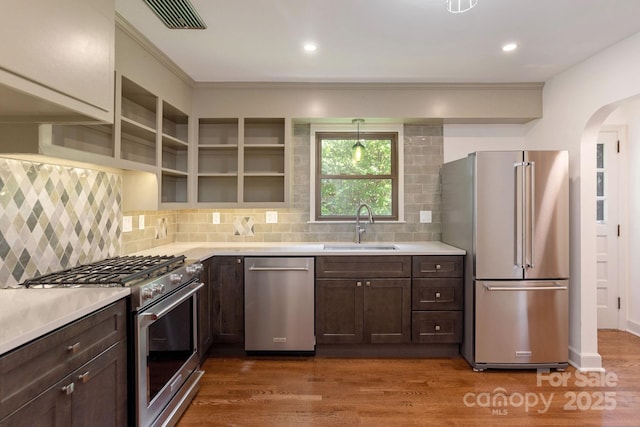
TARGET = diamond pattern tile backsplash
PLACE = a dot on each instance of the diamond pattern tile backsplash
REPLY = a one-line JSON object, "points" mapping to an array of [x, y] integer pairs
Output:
{"points": [[54, 217]]}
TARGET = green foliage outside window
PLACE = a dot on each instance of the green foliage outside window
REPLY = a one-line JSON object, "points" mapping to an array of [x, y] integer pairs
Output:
{"points": [[344, 184]]}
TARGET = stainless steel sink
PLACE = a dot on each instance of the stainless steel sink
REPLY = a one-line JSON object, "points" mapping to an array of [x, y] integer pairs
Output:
{"points": [[360, 247]]}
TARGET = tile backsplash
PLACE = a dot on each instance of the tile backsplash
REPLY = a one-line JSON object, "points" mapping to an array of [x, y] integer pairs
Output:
{"points": [[54, 217]]}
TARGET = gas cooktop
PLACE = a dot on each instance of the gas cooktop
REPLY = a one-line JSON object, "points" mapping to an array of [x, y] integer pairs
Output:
{"points": [[111, 272]]}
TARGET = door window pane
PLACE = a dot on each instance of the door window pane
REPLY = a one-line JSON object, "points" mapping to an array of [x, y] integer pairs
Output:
{"points": [[600, 156], [600, 181], [600, 210], [600, 184]]}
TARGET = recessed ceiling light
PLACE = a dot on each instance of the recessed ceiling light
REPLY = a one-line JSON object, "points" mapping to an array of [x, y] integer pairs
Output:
{"points": [[310, 47], [509, 47]]}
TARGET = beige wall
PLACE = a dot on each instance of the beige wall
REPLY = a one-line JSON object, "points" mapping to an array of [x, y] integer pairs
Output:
{"points": [[453, 103]]}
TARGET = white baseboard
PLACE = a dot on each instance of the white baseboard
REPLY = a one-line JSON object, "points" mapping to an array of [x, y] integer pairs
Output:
{"points": [[633, 327], [587, 362]]}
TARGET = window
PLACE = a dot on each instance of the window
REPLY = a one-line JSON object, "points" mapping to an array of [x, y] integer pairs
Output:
{"points": [[342, 184], [600, 174]]}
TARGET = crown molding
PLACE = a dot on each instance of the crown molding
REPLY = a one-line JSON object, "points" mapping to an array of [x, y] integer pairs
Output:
{"points": [[371, 85]]}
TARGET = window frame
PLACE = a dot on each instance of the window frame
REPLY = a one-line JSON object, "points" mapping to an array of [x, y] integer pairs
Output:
{"points": [[371, 131]]}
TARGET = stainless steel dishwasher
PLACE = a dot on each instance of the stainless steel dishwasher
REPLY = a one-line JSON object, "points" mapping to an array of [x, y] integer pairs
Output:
{"points": [[279, 304]]}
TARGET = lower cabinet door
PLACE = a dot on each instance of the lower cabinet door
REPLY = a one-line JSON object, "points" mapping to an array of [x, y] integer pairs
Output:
{"points": [[387, 311], [205, 335], [49, 409], [227, 300], [339, 311], [100, 396]]}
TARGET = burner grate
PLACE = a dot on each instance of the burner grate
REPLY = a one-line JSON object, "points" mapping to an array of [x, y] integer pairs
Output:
{"points": [[118, 271]]}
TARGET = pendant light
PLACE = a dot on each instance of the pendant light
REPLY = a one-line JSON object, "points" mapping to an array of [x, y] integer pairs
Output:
{"points": [[358, 148], [460, 6]]}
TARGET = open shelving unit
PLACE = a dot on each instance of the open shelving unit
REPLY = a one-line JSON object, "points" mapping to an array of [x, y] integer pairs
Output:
{"points": [[154, 137], [205, 162], [218, 160], [138, 119], [175, 155], [242, 162]]}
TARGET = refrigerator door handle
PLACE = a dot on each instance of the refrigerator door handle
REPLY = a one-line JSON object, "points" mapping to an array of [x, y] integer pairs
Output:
{"points": [[524, 288], [518, 250], [532, 213]]}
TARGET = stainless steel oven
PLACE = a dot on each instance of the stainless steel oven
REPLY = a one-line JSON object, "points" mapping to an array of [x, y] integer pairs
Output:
{"points": [[166, 356]]}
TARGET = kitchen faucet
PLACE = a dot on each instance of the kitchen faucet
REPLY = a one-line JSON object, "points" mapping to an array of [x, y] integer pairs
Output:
{"points": [[360, 229]]}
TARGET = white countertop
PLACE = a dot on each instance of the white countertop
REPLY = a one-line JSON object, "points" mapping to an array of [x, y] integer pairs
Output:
{"points": [[26, 314], [204, 250]]}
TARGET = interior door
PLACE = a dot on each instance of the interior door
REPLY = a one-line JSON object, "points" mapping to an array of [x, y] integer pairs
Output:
{"points": [[606, 228], [546, 213], [497, 246]]}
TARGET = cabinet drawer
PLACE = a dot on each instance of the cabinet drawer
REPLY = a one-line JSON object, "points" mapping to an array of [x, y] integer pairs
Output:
{"points": [[361, 267], [34, 367], [442, 327], [436, 294], [437, 266]]}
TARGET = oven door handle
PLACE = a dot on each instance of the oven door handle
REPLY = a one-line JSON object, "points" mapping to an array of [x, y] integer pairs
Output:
{"points": [[159, 314]]}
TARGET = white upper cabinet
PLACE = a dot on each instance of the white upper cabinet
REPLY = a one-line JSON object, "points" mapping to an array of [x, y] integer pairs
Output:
{"points": [[57, 60]]}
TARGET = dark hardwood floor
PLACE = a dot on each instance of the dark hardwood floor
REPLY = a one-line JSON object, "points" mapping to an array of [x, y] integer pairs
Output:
{"points": [[417, 392]]}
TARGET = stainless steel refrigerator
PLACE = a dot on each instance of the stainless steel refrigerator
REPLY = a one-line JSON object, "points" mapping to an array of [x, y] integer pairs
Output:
{"points": [[510, 211]]}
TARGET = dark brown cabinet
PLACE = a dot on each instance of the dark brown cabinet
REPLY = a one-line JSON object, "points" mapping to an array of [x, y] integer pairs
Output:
{"points": [[437, 292], [76, 375], [363, 300], [227, 299], [205, 334]]}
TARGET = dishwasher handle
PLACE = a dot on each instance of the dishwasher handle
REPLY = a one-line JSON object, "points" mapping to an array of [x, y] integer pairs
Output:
{"points": [[254, 268]]}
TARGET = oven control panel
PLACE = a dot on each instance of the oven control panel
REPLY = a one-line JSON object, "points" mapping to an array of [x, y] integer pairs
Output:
{"points": [[153, 290]]}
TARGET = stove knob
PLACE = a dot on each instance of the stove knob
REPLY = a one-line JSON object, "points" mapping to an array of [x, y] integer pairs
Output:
{"points": [[175, 278], [147, 293], [160, 288], [157, 289], [194, 268]]}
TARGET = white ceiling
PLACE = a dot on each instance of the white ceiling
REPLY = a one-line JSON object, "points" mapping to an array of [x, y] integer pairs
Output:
{"points": [[386, 40]]}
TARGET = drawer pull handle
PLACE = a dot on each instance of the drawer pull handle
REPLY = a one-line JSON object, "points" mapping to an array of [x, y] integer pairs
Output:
{"points": [[437, 294], [84, 377], [358, 284], [68, 389], [367, 283], [437, 328], [74, 348], [438, 267]]}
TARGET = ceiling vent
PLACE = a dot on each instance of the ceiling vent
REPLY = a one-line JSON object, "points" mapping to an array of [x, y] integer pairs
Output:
{"points": [[177, 14]]}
